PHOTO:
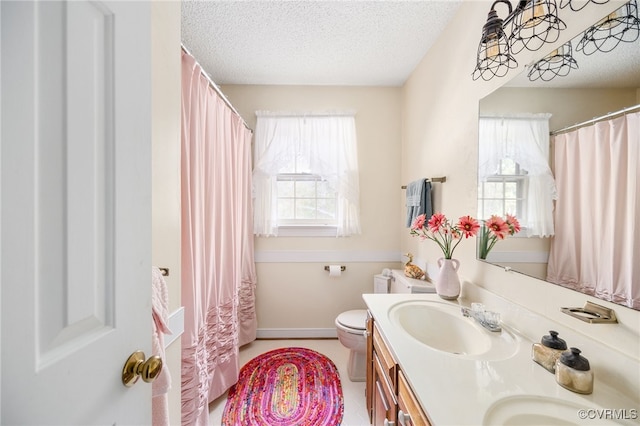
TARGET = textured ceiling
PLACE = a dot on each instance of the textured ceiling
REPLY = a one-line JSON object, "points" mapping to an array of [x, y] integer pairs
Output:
{"points": [[349, 42], [357, 43]]}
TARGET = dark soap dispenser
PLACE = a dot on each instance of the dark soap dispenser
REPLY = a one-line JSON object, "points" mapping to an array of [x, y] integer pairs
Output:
{"points": [[574, 373], [548, 351]]}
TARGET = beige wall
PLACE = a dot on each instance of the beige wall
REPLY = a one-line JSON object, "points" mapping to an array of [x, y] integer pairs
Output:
{"points": [[294, 294], [166, 168], [440, 104], [568, 106]]}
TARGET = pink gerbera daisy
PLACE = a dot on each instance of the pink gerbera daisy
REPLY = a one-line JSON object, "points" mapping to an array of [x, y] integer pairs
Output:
{"points": [[469, 226], [436, 222], [498, 227], [418, 222], [513, 224]]}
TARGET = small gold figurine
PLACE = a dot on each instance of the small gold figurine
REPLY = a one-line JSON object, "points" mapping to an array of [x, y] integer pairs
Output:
{"points": [[411, 270]]}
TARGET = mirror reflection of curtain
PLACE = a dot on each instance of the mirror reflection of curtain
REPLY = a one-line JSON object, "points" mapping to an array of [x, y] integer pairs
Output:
{"points": [[218, 269], [523, 138], [596, 249]]}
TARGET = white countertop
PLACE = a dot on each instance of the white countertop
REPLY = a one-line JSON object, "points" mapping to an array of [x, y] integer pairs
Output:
{"points": [[458, 390]]}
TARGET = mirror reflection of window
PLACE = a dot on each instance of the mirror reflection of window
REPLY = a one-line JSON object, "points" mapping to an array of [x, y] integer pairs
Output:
{"points": [[514, 172], [504, 192]]}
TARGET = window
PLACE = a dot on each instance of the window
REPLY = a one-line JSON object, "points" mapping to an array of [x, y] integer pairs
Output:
{"points": [[305, 175], [503, 192], [305, 199]]}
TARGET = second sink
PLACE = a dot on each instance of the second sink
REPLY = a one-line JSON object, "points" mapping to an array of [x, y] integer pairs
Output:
{"points": [[442, 327], [543, 410]]}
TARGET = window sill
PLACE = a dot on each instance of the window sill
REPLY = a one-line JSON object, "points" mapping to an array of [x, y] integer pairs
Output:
{"points": [[521, 234], [307, 231]]}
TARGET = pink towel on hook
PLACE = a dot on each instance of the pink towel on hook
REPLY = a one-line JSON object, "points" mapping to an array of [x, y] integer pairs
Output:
{"points": [[160, 315]]}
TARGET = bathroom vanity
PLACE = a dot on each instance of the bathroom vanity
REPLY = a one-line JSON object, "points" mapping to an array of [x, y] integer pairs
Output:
{"points": [[428, 364], [390, 399]]}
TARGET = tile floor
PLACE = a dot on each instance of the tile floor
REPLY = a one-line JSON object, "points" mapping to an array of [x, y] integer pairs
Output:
{"points": [[355, 412]]}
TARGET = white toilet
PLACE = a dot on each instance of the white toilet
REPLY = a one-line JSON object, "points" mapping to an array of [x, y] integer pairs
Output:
{"points": [[351, 327]]}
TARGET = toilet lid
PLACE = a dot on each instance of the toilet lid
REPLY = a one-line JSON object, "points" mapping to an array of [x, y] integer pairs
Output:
{"points": [[356, 319]]}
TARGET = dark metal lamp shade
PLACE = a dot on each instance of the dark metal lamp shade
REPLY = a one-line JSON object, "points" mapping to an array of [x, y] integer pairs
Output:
{"points": [[578, 7], [494, 58], [559, 63], [535, 23], [622, 25]]}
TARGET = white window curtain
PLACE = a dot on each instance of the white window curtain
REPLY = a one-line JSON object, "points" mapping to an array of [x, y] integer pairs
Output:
{"points": [[326, 142], [525, 140]]}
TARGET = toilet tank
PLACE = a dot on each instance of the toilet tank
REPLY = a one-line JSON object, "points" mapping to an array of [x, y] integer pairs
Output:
{"points": [[403, 284]]}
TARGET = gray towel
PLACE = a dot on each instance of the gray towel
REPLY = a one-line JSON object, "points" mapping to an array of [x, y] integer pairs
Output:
{"points": [[418, 200]]}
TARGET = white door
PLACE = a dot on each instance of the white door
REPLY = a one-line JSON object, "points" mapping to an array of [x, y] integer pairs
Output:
{"points": [[75, 210]]}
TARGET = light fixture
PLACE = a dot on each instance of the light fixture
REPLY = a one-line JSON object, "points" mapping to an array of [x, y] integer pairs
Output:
{"points": [[558, 63], [621, 25], [494, 58], [576, 8], [535, 24]]}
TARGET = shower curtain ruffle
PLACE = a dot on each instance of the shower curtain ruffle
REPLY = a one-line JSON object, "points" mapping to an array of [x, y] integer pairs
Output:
{"points": [[247, 327], [204, 376]]}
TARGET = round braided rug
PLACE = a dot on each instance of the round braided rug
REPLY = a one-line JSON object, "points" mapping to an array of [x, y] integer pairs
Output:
{"points": [[286, 387]]}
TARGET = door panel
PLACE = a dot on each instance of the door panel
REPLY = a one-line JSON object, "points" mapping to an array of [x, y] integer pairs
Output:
{"points": [[75, 191], [76, 179]]}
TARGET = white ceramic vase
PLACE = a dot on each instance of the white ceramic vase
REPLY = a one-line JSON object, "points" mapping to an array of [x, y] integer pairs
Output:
{"points": [[447, 281]]}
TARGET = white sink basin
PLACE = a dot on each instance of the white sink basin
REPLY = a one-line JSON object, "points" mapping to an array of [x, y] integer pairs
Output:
{"points": [[540, 410], [441, 326]]}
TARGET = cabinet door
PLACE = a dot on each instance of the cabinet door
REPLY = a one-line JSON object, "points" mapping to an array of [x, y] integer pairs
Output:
{"points": [[387, 361], [409, 411], [369, 391], [384, 401]]}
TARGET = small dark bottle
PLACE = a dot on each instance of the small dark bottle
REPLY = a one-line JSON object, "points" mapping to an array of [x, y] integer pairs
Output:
{"points": [[574, 373], [548, 351]]}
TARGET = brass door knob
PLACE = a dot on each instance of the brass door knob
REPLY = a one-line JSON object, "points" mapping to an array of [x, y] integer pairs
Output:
{"points": [[137, 367]]}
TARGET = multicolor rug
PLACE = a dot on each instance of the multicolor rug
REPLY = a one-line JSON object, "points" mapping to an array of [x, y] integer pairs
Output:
{"points": [[286, 387]]}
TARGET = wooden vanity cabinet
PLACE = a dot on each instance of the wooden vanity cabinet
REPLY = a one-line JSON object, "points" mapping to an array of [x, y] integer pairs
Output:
{"points": [[384, 402], [389, 398], [409, 411]]}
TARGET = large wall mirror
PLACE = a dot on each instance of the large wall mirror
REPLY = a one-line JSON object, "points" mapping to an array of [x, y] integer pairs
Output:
{"points": [[597, 85]]}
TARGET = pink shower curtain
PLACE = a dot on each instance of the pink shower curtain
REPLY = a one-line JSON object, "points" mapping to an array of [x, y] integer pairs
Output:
{"points": [[596, 248], [218, 270]]}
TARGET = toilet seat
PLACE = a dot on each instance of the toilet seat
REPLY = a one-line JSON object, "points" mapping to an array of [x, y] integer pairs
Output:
{"points": [[355, 320]]}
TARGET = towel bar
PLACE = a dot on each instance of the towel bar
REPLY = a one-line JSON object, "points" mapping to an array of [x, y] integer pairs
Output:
{"points": [[435, 179]]}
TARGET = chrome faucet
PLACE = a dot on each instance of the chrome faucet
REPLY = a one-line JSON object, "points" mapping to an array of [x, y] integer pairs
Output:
{"points": [[488, 319]]}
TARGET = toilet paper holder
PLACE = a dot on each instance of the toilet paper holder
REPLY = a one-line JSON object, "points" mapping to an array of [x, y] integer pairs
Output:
{"points": [[342, 268]]}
